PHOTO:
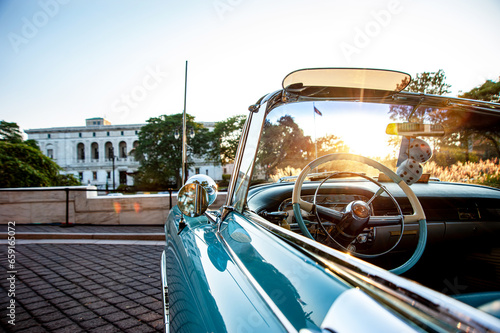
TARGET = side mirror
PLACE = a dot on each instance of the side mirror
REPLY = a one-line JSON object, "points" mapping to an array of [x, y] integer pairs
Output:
{"points": [[192, 200], [199, 192], [207, 183]]}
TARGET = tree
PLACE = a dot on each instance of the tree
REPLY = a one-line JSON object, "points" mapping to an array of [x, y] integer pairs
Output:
{"points": [[488, 91], [160, 153], [461, 133], [10, 132], [331, 144], [430, 83], [226, 136], [426, 83], [22, 164], [284, 144], [487, 138]]}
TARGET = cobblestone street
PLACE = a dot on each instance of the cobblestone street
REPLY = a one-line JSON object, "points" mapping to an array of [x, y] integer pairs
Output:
{"points": [[83, 288]]}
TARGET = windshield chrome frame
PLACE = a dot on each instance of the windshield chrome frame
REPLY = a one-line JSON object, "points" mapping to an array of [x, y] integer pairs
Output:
{"points": [[246, 153]]}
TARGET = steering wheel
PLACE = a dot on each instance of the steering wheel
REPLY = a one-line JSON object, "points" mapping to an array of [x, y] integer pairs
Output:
{"points": [[357, 214]]}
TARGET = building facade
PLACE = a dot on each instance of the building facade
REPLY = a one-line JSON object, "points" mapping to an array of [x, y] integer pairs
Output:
{"points": [[101, 154]]}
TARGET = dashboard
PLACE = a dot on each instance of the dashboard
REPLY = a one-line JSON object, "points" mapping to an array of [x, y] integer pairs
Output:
{"points": [[463, 227], [454, 212]]}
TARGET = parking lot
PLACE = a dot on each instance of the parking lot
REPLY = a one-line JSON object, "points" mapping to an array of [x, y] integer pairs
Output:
{"points": [[84, 285]]}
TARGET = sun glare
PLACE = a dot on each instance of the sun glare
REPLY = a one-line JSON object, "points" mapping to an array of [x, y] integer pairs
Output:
{"points": [[367, 142], [359, 127], [364, 135]]}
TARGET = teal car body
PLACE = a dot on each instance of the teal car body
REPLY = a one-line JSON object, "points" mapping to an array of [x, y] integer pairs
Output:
{"points": [[235, 269]]}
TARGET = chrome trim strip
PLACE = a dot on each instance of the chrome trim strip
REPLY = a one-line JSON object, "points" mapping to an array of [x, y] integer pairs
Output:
{"points": [[237, 160], [254, 116], [164, 287]]}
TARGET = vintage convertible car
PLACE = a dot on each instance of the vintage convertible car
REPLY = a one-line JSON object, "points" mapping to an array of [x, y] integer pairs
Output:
{"points": [[354, 206]]}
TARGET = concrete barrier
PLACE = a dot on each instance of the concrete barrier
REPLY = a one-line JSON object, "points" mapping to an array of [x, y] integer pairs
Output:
{"points": [[48, 205]]}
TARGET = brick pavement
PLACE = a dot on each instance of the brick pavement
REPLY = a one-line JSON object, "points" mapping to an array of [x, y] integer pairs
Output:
{"points": [[44, 233], [85, 228], [83, 288]]}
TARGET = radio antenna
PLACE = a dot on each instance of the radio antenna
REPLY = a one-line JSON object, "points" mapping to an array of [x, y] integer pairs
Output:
{"points": [[184, 138]]}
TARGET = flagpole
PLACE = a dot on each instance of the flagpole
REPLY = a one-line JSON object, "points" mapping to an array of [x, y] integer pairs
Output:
{"points": [[315, 139]]}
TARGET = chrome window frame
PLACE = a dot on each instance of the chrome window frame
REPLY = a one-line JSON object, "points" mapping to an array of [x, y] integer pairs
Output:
{"points": [[247, 151]]}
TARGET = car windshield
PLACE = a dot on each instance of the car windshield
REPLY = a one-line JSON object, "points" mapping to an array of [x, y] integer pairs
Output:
{"points": [[294, 134]]}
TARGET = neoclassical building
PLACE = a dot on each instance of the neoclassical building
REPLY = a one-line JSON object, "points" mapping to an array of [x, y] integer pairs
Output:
{"points": [[99, 153]]}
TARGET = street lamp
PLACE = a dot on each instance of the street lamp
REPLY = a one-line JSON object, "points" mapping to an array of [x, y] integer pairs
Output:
{"points": [[177, 134], [112, 157]]}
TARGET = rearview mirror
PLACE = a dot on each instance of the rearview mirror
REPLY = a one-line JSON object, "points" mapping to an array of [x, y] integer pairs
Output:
{"points": [[414, 129]]}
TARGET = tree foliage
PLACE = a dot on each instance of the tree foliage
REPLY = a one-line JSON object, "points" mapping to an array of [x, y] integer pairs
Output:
{"points": [[160, 153], [430, 83], [22, 164], [284, 145], [10, 132], [426, 83], [488, 91], [464, 131], [485, 139], [330, 144], [467, 132], [226, 136]]}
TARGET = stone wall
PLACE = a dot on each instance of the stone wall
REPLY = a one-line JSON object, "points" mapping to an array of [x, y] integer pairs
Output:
{"points": [[48, 205]]}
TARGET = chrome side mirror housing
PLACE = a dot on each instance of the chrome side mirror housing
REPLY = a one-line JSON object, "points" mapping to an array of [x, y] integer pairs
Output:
{"points": [[199, 192], [192, 200], [207, 183]]}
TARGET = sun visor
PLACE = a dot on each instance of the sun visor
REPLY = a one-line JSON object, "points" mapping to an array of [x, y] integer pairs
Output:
{"points": [[349, 82]]}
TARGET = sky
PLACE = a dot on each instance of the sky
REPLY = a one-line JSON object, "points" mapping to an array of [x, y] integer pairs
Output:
{"points": [[62, 61]]}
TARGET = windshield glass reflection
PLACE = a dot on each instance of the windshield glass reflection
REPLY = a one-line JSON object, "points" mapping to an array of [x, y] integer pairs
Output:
{"points": [[297, 133]]}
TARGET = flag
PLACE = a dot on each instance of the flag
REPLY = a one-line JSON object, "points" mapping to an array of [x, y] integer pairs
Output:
{"points": [[317, 111]]}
